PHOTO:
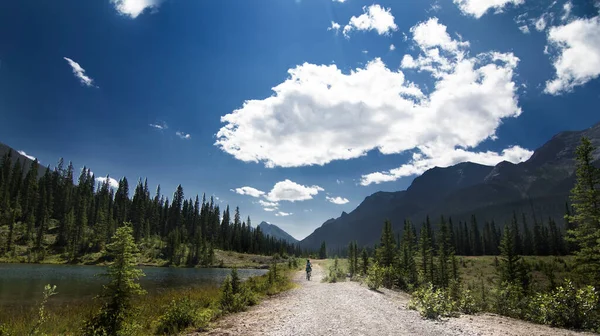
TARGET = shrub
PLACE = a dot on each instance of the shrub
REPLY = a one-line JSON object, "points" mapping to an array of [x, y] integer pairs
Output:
{"points": [[335, 273], [569, 307], [509, 300], [182, 314], [375, 275], [431, 303], [468, 304]]}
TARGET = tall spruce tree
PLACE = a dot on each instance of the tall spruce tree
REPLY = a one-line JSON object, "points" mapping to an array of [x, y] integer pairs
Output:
{"points": [[585, 196]]}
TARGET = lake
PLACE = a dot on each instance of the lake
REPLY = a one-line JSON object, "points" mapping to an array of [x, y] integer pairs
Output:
{"points": [[22, 284]]}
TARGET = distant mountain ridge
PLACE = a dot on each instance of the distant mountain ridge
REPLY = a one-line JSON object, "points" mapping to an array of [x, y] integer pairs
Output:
{"points": [[538, 187], [276, 232]]}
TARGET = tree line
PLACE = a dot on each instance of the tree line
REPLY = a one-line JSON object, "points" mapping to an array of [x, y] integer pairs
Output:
{"points": [[426, 264], [83, 217]]}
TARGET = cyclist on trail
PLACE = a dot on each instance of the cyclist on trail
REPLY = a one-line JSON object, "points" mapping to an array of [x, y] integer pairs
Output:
{"points": [[308, 269]]}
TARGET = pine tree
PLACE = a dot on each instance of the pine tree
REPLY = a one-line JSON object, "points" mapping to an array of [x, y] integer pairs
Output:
{"points": [[117, 310], [517, 239], [323, 251], [527, 238], [386, 251], [511, 268], [475, 238], [445, 254], [365, 261], [426, 252], [585, 196]]}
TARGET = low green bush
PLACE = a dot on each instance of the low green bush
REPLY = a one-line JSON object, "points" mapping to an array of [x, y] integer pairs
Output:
{"points": [[182, 314], [375, 275], [432, 303], [566, 307]]}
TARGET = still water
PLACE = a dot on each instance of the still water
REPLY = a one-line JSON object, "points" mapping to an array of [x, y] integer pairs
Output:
{"points": [[22, 284]]}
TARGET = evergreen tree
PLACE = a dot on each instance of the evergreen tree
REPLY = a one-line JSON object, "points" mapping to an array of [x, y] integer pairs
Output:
{"points": [[527, 238], [445, 254], [585, 196], [512, 268], [475, 238], [365, 261], [386, 251], [117, 310], [426, 253], [323, 251]]}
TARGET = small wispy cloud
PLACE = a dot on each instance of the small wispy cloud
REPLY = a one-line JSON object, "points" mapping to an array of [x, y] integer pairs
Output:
{"points": [[183, 135], [30, 157], [133, 8], [79, 72], [337, 200], [524, 29], [392, 47], [283, 214], [435, 7], [159, 125], [334, 26]]}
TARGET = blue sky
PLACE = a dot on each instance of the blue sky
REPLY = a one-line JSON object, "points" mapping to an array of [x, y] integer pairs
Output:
{"points": [[295, 110]]}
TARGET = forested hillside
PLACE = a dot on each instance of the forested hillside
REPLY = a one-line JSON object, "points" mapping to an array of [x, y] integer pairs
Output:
{"points": [[52, 215]]}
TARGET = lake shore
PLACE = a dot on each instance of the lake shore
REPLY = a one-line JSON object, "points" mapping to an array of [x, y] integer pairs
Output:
{"points": [[223, 259]]}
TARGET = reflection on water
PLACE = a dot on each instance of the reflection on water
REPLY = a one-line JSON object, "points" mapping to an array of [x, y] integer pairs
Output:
{"points": [[22, 284]]}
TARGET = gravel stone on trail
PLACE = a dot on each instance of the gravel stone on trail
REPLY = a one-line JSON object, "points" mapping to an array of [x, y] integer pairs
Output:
{"points": [[349, 309]]}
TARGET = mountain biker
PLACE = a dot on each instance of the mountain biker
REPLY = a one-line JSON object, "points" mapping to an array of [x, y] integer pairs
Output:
{"points": [[308, 269]]}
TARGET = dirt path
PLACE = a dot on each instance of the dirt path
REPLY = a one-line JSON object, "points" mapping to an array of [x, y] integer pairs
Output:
{"points": [[349, 309]]}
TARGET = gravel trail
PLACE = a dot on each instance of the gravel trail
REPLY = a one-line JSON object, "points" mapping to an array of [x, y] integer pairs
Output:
{"points": [[349, 309]]}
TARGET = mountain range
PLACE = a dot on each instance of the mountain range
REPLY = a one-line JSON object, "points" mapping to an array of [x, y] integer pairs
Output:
{"points": [[538, 187], [276, 232]]}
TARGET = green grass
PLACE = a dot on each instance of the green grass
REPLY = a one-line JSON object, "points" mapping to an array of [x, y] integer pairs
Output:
{"points": [[67, 319], [473, 269]]}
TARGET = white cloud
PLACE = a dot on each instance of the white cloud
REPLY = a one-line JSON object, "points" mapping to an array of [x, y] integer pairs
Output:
{"points": [[524, 29], [334, 26], [567, 8], [30, 157], [79, 72], [374, 17], [270, 209], [282, 191], [268, 204], [111, 182], [160, 126], [430, 158], [342, 1], [183, 135], [578, 60], [477, 8], [365, 51], [337, 200], [540, 24], [392, 47], [248, 191], [339, 181], [133, 8], [283, 214], [291, 191], [435, 7], [320, 114]]}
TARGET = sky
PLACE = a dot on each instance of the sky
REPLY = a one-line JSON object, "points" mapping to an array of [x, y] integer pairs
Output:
{"points": [[293, 110]]}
